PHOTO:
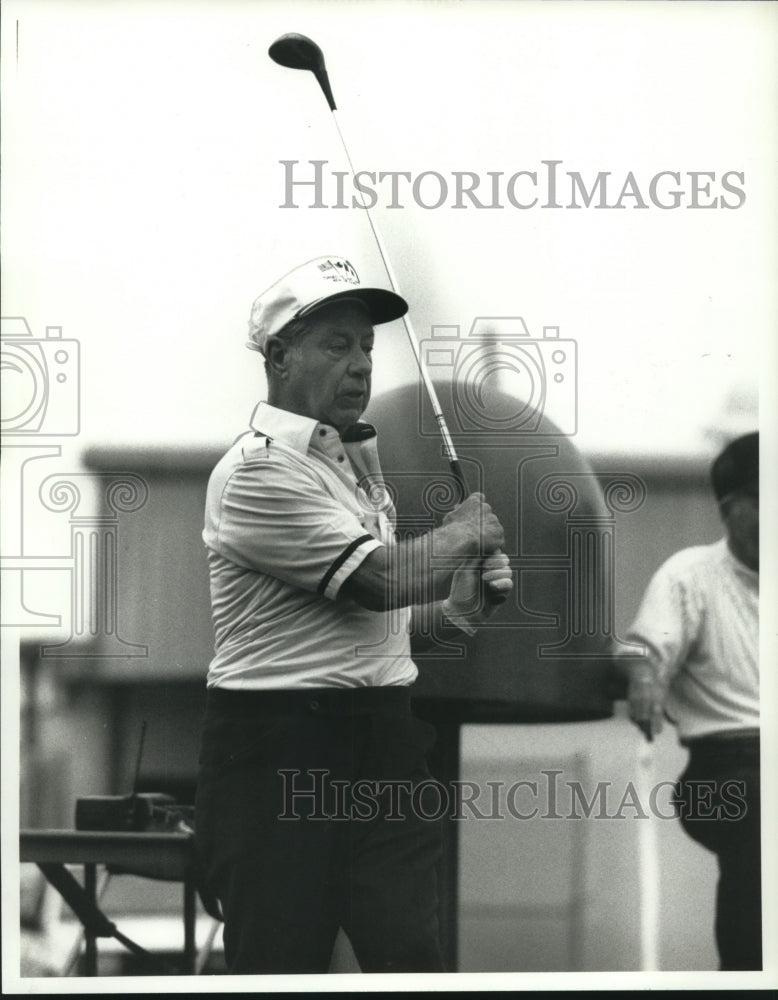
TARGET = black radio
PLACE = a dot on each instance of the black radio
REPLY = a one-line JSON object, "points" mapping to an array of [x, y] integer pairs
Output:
{"points": [[139, 811], [135, 812]]}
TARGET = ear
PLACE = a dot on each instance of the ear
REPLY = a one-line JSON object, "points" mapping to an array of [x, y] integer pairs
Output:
{"points": [[725, 508], [277, 357]]}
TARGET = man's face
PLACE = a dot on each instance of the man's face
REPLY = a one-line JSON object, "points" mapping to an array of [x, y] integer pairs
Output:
{"points": [[741, 517], [327, 371]]}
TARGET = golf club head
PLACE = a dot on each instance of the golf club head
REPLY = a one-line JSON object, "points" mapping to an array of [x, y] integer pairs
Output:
{"points": [[297, 52], [300, 52]]}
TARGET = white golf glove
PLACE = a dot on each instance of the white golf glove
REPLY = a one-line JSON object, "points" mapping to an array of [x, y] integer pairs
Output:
{"points": [[476, 591]]}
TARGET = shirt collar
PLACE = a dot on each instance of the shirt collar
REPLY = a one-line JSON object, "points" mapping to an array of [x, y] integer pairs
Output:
{"points": [[300, 432], [732, 559], [282, 425]]}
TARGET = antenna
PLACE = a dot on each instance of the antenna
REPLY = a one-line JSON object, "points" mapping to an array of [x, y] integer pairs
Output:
{"points": [[140, 757]]}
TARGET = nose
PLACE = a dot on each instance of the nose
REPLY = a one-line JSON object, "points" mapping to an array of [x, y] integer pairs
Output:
{"points": [[360, 363]]}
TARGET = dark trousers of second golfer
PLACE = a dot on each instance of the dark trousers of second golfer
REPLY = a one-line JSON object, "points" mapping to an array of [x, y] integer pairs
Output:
{"points": [[718, 799], [369, 866]]}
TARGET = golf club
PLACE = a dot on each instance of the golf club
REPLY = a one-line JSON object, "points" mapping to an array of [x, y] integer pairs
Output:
{"points": [[297, 51]]}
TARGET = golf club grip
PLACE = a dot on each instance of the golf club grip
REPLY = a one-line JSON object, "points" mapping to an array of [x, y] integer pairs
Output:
{"points": [[459, 475]]}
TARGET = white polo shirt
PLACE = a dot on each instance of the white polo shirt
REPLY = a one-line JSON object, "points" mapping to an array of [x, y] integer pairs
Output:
{"points": [[699, 622], [291, 511]]}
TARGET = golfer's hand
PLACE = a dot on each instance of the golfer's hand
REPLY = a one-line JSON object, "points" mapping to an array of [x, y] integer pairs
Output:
{"points": [[482, 533], [476, 590], [646, 701]]}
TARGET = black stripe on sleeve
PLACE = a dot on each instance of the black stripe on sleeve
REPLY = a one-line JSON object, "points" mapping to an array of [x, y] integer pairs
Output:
{"points": [[340, 560]]}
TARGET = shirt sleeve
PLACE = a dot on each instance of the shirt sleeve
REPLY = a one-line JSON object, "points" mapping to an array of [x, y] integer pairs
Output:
{"points": [[667, 623], [274, 516]]}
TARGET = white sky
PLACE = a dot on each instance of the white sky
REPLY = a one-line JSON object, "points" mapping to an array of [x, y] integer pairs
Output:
{"points": [[142, 185]]}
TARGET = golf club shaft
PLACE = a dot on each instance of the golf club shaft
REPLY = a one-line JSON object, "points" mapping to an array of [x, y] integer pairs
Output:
{"points": [[448, 444]]}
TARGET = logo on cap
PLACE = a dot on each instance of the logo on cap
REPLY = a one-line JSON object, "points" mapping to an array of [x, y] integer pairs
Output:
{"points": [[339, 269], [312, 285]]}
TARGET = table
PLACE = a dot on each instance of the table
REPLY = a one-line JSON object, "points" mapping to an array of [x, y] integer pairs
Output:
{"points": [[169, 856]]}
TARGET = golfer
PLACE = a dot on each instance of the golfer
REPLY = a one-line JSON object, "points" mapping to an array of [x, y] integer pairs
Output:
{"points": [[699, 624], [310, 804]]}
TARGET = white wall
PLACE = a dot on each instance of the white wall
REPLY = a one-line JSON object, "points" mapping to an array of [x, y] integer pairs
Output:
{"points": [[547, 894]]}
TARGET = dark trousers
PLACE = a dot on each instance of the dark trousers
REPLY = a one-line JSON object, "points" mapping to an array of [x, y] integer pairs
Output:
{"points": [[718, 801], [314, 811]]}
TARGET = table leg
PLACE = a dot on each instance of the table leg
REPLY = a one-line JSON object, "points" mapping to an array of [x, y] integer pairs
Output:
{"points": [[190, 914], [90, 940]]}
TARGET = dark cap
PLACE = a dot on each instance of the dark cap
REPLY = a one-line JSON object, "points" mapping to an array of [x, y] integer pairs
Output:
{"points": [[737, 467]]}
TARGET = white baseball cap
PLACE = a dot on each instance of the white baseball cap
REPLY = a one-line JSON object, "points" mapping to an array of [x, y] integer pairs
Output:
{"points": [[310, 286]]}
